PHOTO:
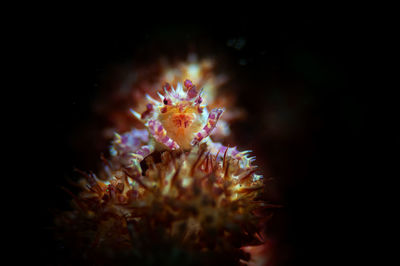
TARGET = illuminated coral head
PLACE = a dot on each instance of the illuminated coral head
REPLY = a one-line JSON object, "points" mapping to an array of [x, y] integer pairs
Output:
{"points": [[180, 119]]}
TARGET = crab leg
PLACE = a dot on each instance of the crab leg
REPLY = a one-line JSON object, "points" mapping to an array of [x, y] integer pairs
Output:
{"points": [[207, 129], [160, 134], [143, 152], [138, 156]]}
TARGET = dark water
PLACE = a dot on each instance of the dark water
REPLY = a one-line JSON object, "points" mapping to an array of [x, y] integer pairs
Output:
{"points": [[291, 75]]}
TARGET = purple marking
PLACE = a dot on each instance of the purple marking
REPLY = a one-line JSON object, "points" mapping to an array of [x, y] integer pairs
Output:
{"points": [[223, 149], [165, 139], [207, 129], [234, 152], [188, 83], [199, 100], [172, 145], [124, 139], [192, 92]]}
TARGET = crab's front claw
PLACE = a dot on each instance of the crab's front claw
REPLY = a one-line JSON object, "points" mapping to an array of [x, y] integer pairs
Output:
{"points": [[160, 134], [139, 155], [213, 117]]}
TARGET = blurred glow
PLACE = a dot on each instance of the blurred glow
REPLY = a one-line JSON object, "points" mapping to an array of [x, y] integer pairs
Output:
{"points": [[193, 72]]}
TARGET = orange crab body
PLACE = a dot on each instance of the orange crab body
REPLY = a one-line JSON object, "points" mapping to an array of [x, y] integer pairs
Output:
{"points": [[181, 123]]}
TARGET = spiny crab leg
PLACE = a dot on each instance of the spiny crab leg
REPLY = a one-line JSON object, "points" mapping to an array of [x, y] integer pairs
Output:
{"points": [[143, 152], [160, 134], [207, 129], [140, 154]]}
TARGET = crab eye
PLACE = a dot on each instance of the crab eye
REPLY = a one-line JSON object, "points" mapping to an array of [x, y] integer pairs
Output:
{"points": [[199, 100], [167, 101]]}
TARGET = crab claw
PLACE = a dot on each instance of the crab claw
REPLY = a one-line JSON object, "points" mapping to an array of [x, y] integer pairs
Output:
{"points": [[160, 134], [213, 117]]}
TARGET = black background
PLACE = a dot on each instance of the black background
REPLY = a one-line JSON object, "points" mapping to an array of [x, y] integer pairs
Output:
{"points": [[293, 77]]}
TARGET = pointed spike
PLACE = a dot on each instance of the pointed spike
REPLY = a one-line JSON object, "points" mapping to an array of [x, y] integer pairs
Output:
{"points": [[173, 89], [197, 162], [226, 151], [251, 189], [216, 156], [211, 163], [245, 152], [166, 92], [94, 176], [167, 86], [136, 114], [257, 177], [246, 174], [117, 137], [204, 159], [226, 170], [176, 174], [201, 91], [161, 96], [152, 100]]}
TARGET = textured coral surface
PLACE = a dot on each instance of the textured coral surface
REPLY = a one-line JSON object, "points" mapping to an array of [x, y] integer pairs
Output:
{"points": [[170, 186], [204, 206]]}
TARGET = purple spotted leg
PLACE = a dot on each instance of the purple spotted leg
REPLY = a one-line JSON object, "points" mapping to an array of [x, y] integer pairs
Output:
{"points": [[213, 117], [143, 152], [160, 135]]}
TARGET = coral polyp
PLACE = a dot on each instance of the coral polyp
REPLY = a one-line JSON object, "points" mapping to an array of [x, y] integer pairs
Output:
{"points": [[197, 200]]}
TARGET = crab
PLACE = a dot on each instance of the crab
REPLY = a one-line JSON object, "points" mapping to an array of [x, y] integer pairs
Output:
{"points": [[179, 120]]}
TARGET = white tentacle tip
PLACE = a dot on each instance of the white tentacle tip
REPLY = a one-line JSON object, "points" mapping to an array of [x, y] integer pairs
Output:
{"points": [[136, 114]]}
